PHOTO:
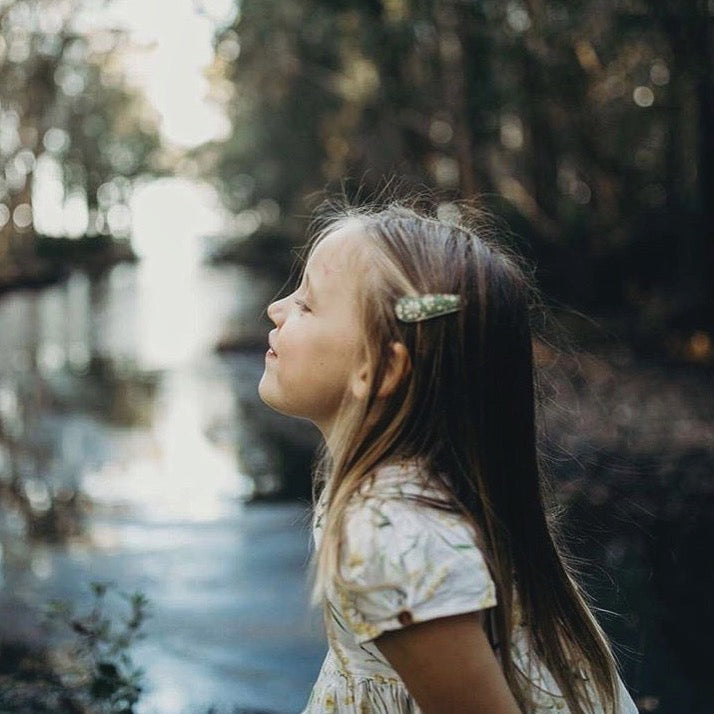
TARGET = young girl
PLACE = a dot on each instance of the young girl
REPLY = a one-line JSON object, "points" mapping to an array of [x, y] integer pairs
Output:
{"points": [[408, 344]]}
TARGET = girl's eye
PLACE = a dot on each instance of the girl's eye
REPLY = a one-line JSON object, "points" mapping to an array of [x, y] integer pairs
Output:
{"points": [[302, 306]]}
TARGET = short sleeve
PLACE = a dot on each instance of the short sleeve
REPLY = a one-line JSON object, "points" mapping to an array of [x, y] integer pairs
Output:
{"points": [[404, 562]]}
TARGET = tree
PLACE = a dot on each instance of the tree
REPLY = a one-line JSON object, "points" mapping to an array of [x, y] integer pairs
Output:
{"points": [[64, 103], [590, 121]]}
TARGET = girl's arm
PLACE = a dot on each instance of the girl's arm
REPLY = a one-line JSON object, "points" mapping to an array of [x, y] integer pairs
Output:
{"points": [[449, 667]]}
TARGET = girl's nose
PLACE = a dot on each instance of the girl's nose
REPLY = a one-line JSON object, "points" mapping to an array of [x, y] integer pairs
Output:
{"points": [[274, 312]]}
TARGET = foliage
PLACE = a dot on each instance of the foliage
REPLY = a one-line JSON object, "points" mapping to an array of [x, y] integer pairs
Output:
{"points": [[101, 669], [65, 105], [93, 675], [589, 124]]}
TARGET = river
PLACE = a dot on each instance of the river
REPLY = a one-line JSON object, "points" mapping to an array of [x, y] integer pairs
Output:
{"points": [[131, 446]]}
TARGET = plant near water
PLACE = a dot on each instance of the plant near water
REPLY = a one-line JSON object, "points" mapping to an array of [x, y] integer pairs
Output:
{"points": [[98, 667]]}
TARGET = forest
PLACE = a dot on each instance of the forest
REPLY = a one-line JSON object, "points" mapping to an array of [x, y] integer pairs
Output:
{"points": [[587, 126]]}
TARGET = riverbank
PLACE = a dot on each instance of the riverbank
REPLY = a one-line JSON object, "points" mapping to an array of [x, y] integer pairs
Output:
{"points": [[630, 448], [53, 259], [275, 253]]}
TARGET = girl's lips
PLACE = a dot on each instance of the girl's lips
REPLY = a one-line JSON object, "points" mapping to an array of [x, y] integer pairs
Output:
{"points": [[271, 351]]}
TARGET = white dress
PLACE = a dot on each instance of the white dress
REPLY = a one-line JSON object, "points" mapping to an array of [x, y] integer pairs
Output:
{"points": [[411, 563]]}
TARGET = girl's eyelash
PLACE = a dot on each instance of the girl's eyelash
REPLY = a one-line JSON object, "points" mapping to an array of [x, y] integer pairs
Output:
{"points": [[302, 305]]}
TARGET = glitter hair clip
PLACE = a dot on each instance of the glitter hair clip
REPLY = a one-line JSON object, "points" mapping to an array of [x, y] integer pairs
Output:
{"points": [[424, 307]]}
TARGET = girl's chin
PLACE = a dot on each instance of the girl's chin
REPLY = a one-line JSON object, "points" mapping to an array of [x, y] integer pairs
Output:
{"points": [[268, 396], [264, 390]]}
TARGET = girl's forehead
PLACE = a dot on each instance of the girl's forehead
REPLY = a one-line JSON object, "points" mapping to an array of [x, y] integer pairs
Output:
{"points": [[338, 252]]}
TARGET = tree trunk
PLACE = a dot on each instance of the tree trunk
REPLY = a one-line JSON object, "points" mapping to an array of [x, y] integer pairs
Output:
{"points": [[704, 88], [451, 46], [544, 151]]}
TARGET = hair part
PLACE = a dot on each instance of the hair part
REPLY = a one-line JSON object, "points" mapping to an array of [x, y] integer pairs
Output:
{"points": [[475, 369]]}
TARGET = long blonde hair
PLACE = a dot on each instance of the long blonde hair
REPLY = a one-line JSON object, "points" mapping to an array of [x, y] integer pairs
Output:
{"points": [[474, 370]]}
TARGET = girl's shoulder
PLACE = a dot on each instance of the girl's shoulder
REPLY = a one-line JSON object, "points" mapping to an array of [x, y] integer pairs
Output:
{"points": [[404, 503], [406, 557], [406, 481], [396, 502]]}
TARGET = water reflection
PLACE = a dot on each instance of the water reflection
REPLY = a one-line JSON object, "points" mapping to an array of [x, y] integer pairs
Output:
{"points": [[175, 470], [112, 387], [126, 443]]}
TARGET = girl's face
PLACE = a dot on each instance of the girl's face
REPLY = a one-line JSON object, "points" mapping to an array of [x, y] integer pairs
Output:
{"points": [[314, 348]]}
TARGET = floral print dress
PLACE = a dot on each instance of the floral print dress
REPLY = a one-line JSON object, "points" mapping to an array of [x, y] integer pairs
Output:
{"points": [[406, 562]]}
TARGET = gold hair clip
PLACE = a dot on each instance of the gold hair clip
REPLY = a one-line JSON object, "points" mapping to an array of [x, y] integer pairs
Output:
{"points": [[424, 307]]}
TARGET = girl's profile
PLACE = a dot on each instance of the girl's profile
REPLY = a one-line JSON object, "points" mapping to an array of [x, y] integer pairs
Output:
{"points": [[407, 343]]}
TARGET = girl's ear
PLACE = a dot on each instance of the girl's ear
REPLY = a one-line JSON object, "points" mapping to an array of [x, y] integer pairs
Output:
{"points": [[398, 366]]}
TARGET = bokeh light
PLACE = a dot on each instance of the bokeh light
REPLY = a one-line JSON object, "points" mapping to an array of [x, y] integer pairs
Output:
{"points": [[643, 96], [22, 216]]}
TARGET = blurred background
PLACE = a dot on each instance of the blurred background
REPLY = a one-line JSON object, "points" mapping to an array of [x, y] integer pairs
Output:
{"points": [[159, 163]]}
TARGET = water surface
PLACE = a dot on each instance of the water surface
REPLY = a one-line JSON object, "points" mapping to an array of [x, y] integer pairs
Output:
{"points": [[126, 438]]}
